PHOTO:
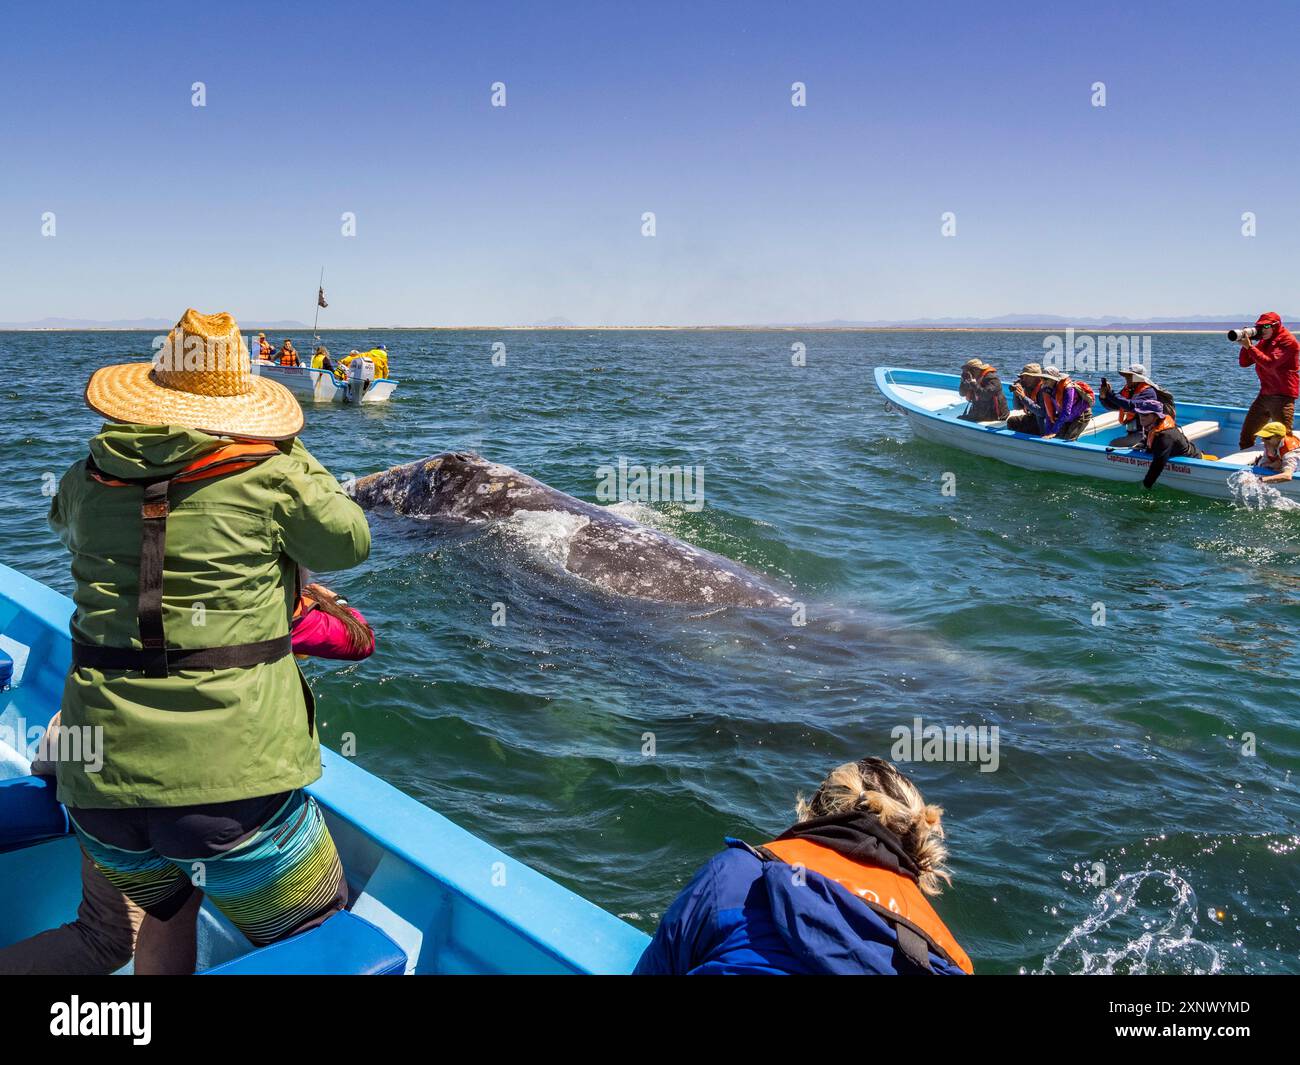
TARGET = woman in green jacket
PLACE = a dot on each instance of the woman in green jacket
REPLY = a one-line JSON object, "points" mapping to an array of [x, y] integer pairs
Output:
{"points": [[187, 523]]}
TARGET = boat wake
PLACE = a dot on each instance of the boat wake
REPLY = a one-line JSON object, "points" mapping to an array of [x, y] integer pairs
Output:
{"points": [[1145, 923], [1253, 494]]}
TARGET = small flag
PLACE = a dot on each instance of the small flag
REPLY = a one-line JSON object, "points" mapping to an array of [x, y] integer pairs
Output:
{"points": [[320, 298]]}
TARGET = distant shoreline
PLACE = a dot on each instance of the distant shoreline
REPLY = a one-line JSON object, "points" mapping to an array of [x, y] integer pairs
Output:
{"points": [[1116, 329]]}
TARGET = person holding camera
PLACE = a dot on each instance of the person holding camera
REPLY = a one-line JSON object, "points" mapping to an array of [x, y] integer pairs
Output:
{"points": [[982, 389], [1024, 394], [1063, 406], [1136, 385], [1275, 354]]}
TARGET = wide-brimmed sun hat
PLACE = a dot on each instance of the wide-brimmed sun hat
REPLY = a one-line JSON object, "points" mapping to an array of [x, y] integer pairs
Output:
{"points": [[1149, 406], [1031, 369], [202, 379]]}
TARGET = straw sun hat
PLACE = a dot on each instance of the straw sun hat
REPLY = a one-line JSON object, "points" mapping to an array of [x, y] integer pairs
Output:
{"points": [[201, 378]]}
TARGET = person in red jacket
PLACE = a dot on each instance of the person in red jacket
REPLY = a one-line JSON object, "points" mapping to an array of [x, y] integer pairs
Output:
{"points": [[1276, 358]]}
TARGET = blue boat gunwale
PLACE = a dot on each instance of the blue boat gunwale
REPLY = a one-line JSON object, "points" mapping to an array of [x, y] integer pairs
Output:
{"points": [[260, 367], [574, 932], [886, 378]]}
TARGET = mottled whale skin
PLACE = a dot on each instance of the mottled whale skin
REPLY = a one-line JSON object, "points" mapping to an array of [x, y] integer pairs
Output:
{"points": [[607, 549]]}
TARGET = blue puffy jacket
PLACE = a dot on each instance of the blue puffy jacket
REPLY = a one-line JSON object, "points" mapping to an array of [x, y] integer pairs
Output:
{"points": [[744, 915]]}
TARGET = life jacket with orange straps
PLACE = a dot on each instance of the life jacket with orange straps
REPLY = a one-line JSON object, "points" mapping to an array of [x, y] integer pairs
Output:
{"points": [[1054, 399], [1031, 393], [1164, 423], [154, 658], [894, 896], [1286, 444], [1129, 392]]}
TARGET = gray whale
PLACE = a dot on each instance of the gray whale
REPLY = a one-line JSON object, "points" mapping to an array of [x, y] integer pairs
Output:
{"points": [[611, 551]]}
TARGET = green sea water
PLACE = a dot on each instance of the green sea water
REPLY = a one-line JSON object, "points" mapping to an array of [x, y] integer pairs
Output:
{"points": [[1144, 812]]}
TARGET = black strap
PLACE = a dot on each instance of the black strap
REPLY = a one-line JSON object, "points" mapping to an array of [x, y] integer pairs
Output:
{"points": [[154, 658], [913, 946], [160, 662], [154, 507]]}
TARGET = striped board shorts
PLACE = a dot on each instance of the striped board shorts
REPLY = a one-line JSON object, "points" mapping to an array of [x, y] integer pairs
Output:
{"points": [[269, 864]]}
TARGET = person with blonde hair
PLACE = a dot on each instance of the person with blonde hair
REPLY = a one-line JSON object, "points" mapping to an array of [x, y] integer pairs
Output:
{"points": [[843, 891]]}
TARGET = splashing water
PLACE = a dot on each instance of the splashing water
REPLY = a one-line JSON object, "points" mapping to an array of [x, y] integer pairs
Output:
{"points": [[1254, 494], [1144, 923]]}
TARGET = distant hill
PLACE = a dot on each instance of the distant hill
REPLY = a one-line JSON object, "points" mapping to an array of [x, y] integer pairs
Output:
{"points": [[1041, 321], [156, 324]]}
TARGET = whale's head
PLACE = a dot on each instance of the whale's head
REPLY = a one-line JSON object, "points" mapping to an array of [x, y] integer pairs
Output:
{"points": [[456, 484]]}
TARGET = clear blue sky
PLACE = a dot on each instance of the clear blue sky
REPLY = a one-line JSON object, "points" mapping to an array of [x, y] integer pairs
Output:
{"points": [[469, 214]]}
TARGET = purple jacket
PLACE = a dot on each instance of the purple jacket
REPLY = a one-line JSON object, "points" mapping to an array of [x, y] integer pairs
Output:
{"points": [[1072, 405]]}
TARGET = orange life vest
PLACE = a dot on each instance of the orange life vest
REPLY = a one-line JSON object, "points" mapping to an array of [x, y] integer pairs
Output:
{"points": [[264, 350], [229, 458], [1054, 399], [1164, 423], [1128, 392], [1286, 444], [890, 894]]}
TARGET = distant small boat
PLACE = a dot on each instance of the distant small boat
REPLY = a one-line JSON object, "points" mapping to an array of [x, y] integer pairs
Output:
{"points": [[426, 895], [321, 386], [932, 404]]}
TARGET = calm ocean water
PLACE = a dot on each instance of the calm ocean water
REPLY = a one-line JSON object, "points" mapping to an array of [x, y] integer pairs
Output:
{"points": [[1120, 745]]}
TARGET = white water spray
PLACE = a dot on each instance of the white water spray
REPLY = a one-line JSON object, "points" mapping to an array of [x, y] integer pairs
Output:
{"points": [[1253, 494], [1143, 923]]}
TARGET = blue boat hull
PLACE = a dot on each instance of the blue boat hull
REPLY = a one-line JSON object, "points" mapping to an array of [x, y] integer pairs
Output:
{"points": [[931, 403], [451, 902]]}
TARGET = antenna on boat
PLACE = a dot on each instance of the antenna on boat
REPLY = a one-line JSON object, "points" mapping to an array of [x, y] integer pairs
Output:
{"points": [[320, 302]]}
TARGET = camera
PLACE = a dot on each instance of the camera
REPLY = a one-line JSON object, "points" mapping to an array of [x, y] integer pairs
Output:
{"points": [[1247, 333]]}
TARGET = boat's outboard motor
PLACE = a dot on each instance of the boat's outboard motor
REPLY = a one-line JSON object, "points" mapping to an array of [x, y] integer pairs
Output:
{"points": [[361, 372]]}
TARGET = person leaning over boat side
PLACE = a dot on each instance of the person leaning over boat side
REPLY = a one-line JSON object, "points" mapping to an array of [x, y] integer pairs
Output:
{"points": [[186, 526], [1162, 438], [1136, 383], [1276, 358], [321, 359], [982, 388], [1281, 454], [102, 939], [1063, 407], [1024, 394], [843, 891]]}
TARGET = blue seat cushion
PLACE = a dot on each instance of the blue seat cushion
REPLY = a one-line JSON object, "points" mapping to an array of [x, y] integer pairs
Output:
{"points": [[29, 812], [343, 945]]}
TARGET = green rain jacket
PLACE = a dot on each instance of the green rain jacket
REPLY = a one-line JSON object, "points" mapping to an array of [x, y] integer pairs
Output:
{"points": [[229, 577]]}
